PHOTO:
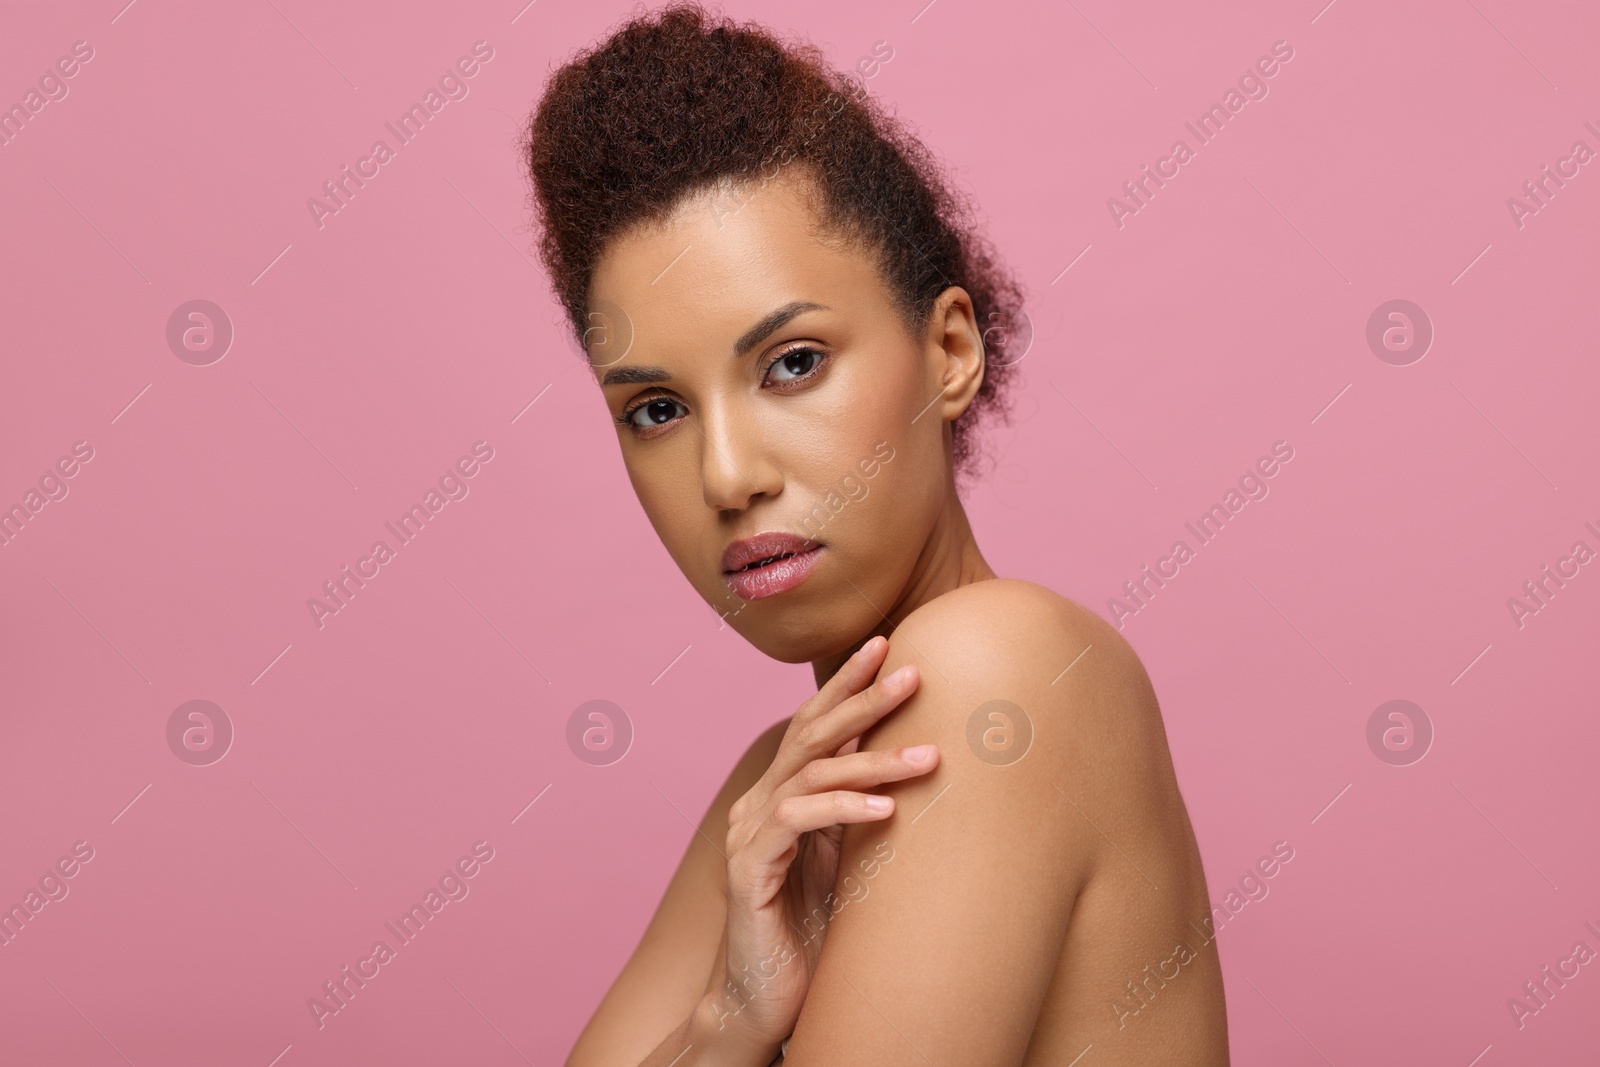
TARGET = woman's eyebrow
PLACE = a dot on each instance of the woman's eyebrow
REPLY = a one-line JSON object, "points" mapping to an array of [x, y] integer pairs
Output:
{"points": [[635, 376], [751, 337], [759, 332]]}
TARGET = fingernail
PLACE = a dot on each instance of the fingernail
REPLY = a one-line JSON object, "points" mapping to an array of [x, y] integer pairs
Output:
{"points": [[900, 677], [920, 753], [877, 803]]}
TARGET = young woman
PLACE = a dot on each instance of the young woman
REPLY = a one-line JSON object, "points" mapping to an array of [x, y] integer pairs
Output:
{"points": [[969, 847]]}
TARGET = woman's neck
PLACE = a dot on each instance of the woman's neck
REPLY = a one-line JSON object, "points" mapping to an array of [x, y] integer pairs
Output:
{"points": [[949, 560]]}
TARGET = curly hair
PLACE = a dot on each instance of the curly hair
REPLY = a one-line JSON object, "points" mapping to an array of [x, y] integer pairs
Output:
{"points": [[677, 103]]}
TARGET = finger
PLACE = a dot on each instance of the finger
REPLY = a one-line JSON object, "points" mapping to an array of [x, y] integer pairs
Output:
{"points": [[824, 736], [797, 747], [860, 770], [854, 675], [797, 815]]}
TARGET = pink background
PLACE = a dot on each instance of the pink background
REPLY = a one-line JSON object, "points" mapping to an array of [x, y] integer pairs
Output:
{"points": [[371, 353]]}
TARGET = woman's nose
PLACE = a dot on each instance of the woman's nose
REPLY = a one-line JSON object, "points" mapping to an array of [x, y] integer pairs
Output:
{"points": [[735, 465]]}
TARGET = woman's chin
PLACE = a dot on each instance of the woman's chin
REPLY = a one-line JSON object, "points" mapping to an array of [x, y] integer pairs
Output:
{"points": [[783, 648], [789, 643]]}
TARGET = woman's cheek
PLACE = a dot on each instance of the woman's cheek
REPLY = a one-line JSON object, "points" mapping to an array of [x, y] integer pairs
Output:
{"points": [[675, 525]]}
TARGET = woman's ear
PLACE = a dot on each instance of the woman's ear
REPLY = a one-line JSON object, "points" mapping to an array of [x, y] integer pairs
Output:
{"points": [[955, 348]]}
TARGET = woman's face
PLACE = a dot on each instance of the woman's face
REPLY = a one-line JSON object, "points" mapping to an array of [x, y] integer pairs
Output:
{"points": [[765, 388]]}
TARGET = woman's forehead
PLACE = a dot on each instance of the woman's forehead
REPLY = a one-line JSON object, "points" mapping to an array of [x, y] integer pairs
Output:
{"points": [[719, 236], [709, 270]]}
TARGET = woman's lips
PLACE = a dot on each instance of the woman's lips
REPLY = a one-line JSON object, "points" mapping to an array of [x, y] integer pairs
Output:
{"points": [[772, 578]]}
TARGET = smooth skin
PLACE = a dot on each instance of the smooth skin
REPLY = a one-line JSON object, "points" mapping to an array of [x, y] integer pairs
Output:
{"points": [[1034, 892]]}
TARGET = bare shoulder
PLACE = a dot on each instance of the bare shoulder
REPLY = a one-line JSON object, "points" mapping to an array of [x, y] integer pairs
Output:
{"points": [[999, 598], [1049, 749], [1020, 637], [1015, 675]]}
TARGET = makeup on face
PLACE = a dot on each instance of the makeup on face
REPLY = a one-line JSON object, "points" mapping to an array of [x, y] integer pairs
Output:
{"points": [[756, 385], [768, 564]]}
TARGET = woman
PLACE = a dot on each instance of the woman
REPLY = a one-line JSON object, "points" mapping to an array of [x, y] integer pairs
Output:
{"points": [[792, 324]]}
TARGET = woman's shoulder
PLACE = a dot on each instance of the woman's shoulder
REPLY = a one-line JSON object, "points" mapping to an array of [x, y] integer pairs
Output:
{"points": [[998, 598], [1015, 625], [1010, 641], [1046, 728]]}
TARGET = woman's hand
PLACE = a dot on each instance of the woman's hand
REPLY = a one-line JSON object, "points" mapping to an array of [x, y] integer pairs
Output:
{"points": [[783, 842]]}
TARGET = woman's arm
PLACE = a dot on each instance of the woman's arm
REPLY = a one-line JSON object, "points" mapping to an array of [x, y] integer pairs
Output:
{"points": [[701, 1041], [664, 982], [951, 914]]}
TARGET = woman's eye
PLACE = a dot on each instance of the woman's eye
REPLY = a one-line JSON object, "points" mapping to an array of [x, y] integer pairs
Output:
{"points": [[796, 364], [654, 413]]}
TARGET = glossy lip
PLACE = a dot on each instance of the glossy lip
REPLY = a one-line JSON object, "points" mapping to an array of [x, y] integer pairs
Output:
{"points": [[755, 583], [769, 543]]}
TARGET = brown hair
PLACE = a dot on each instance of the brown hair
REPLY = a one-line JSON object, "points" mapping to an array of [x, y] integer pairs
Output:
{"points": [[675, 103]]}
